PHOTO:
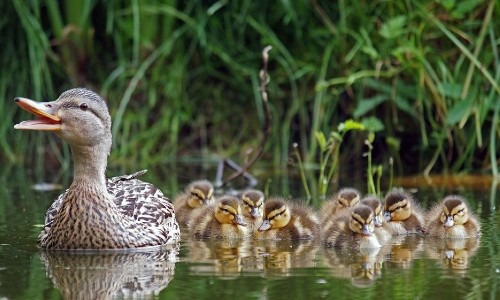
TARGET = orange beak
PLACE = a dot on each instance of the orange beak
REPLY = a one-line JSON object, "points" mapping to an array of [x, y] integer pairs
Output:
{"points": [[45, 111]]}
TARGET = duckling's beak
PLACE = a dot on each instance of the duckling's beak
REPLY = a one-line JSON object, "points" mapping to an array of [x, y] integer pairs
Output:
{"points": [[254, 212], [238, 219], [264, 226], [365, 230], [45, 111], [377, 221], [387, 216], [449, 222]]}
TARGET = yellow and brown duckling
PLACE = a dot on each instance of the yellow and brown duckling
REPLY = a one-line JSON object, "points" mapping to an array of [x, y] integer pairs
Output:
{"points": [[253, 208], [353, 228], [452, 218], [197, 194], [344, 198], [221, 220], [383, 235], [402, 213], [285, 220], [96, 212]]}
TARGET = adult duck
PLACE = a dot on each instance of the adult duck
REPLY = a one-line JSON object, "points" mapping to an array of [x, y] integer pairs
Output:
{"points": [[95, 212]]}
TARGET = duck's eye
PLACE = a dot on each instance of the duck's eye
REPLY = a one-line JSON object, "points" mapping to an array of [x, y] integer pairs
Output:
{"points": [[84, 106]]}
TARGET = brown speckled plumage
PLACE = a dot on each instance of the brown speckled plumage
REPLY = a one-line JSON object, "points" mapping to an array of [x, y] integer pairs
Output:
{"points": [[95, 212]]}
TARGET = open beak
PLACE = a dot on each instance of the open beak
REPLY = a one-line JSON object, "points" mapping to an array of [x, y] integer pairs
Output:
{"points": [[238, 219], [45, 111], [265, 226]]}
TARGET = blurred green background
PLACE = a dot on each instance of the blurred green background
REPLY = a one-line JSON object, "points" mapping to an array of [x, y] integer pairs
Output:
{"points": [[181, 79]]}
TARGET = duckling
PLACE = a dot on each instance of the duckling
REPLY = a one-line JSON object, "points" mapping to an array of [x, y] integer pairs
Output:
{"points": [[343, 199], [383, 235], [354, 228], [285, 220], [253, 208], [402, 213], [197, 194], [222, 220], [452, 218]]}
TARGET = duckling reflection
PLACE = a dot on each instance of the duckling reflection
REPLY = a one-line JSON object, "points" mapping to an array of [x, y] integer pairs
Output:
{"points": [[361, 267], [217, 257], [110, 275], [452, 254], [403, 251], [279, 257]]}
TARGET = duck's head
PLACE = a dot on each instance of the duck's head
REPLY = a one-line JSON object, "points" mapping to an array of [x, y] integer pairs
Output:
{"points": [[378, 210], [276, 215], [228, 211], [253, 203], [200, 193], [397, 206], [348, 197], [79, 116], [361, 220], [454, 212]]}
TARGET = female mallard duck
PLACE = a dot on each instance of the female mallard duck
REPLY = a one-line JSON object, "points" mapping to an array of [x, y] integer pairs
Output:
{"points": [[452, 218], [402, 213], [222, 220], [353, 228], [198, 193], [253, 208], [95, 212], [287, 221], [375, 204]]}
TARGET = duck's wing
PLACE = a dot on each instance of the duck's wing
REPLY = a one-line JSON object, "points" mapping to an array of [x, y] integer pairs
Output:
{"points": [[140, 200]]}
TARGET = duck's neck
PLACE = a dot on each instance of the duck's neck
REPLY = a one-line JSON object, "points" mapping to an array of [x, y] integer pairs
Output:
{"points": [[90, 164]]}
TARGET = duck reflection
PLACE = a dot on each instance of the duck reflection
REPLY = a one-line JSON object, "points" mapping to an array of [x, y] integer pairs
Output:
{"points": [[111, 274], [281, 257], [362, 266], [403, 250], [231, 257], [453, 254], [219, 256]]}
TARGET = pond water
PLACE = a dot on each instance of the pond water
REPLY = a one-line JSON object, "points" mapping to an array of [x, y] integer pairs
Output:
{"points": [[408, 268]]}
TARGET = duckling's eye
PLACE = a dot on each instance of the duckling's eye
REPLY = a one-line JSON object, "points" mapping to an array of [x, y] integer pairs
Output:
{"points": [[196, 195], [84, 106]]}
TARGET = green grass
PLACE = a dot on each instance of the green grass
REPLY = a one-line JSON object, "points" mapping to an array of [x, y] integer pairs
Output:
{"points": [[182, 77]]}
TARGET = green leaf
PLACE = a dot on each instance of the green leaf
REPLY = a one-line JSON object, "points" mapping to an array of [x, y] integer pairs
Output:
{"points": [[373, 124], [394, 27], [366, 105], [458, 111], [452, 90], [320, 138], [350, 125]]}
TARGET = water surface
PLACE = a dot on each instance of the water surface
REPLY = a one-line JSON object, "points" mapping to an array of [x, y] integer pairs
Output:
{"points": [[409, 268]]}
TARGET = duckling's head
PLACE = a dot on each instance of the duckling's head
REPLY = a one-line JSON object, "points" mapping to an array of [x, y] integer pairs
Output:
{"points": [[361, 220], [79, 116], [228, 211], [276, 215], [378, 210], [200, 193], [455, 211], [397, 205], [253, 203], [348, 197]]}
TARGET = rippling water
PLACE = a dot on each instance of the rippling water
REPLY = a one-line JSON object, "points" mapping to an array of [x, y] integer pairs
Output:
{"points": [[410, 267]]}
